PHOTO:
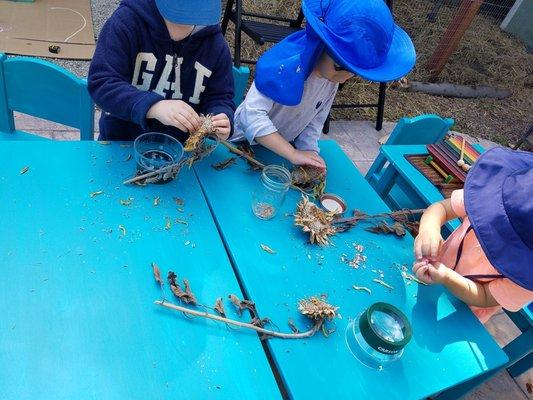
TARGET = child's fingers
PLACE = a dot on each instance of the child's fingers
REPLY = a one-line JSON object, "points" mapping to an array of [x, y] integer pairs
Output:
{"points": [[434, 248], [221, 123], [220, 117], [184, 122], [418, 248]]}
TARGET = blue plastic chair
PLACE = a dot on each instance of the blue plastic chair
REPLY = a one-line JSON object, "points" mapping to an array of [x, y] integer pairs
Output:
{"points": [[44, 90], [240, 78], [424, 129]]}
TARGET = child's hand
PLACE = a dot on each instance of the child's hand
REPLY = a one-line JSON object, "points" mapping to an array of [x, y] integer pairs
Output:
{"points": [[430, 273], [428, 243], [223, 125], [300, 157], [175, 113]]}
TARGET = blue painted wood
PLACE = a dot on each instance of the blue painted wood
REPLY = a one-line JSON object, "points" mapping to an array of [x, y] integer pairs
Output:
{"points": [[516, 350], [423, 129], [240, 78], [78, 319], [44, 90], [521, 366], [449, 346]]}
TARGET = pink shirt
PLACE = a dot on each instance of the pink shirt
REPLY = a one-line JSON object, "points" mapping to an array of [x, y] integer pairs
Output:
{"points": [[473, 261]]}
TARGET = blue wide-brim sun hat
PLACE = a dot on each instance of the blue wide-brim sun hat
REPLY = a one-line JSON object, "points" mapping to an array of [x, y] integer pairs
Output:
{"points": [[360, 36], [499, 203], [188, 12]]}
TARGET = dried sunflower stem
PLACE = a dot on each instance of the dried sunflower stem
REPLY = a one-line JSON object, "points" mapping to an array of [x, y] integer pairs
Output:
{"points": [[267, 332], [259, 164], [241, 153], [383, 215], [153, 173]]}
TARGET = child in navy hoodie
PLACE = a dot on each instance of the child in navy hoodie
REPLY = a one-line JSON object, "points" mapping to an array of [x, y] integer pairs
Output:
{"points": [[157, 65]]}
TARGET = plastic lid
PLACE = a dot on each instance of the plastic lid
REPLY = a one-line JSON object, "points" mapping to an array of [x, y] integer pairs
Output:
{"points": [[385, 328]]}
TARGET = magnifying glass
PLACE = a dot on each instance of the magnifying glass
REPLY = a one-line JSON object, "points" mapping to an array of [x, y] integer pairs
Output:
{"points": [[378, 335]]}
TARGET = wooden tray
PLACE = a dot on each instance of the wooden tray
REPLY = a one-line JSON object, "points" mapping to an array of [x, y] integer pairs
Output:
{"points": [[434, 177]]}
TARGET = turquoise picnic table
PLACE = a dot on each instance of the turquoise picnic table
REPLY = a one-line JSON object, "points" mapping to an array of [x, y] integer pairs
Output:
{"points": [[449, 345], [78, 319]]}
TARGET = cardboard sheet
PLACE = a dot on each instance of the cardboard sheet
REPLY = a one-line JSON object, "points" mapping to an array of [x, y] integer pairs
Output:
{"points": [[30, 28]]}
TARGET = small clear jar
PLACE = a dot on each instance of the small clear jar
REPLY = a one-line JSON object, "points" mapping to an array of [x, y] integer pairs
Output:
{"points": [[270, 193], [378, 335]]}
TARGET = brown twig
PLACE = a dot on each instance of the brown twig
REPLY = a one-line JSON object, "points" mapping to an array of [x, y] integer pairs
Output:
{"points": [[241, 153], [267, 332], [363, 217], [153, 173]]}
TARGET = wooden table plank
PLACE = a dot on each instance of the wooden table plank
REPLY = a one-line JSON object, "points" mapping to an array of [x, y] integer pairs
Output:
{"points": [[449, 345], [78, 319]]}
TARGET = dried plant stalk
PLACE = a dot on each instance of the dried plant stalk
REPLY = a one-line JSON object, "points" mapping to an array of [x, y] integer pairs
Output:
{"points": [[317, 222], [266, 332], [197, 137]]}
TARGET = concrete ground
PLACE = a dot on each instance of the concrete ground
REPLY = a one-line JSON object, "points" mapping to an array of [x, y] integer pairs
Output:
{"points": [[359, 140]]}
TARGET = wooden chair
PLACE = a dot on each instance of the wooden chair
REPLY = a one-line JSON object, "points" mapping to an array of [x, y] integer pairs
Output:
{"points": [[44, 90]]}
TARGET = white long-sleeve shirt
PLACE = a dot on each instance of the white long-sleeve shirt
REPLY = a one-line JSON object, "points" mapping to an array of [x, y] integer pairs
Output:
{"points": [[258, 115]]}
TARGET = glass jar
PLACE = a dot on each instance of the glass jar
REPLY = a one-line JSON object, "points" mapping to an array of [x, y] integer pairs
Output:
{"points": [[269, 196], [378, 335]]}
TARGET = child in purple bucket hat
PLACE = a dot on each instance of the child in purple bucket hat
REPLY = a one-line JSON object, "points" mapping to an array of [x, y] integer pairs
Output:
{"points": [[488, 261]]}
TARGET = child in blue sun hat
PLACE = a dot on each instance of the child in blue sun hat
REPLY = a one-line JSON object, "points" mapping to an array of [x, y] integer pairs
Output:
{"points": [[297, 79], [488, 261], [159, 64]]}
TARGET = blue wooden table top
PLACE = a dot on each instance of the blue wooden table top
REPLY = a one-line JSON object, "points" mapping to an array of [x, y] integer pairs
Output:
{"points": [[449, 345], [76, 294]]}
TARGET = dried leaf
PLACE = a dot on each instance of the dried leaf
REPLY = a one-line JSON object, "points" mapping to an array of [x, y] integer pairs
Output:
{"points": [[382, 283], [364, 288], [157, 200], [219, 307], [97, 193], [293, 327], [190, 297], [185, 294], [122, 229], [260, 322], [157, 274], [267, 249], [250, 305], [103, 142], [126, 202], [178, 201], [168, 224], [24, 170], [237, 303], [224, 164], [125, 145]]}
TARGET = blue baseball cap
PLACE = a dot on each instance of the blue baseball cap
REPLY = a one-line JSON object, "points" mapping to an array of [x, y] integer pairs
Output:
{"points": [[189, 12], [360, 36], [499, 204]]}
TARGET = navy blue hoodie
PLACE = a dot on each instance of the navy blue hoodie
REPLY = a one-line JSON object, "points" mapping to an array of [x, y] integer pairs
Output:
{"points": [[135, 66]]}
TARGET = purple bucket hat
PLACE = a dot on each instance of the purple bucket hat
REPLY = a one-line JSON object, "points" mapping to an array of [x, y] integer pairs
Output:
{"points": [[499, 204]]}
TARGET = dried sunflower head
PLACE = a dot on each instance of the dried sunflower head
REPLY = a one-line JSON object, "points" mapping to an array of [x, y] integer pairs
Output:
{"points": [[315, 221], [317, 308], [307, 177], [197, 137]]}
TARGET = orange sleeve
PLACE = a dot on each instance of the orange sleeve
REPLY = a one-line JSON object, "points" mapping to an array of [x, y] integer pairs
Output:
{"points": [[458, 203], [509, 295]]}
